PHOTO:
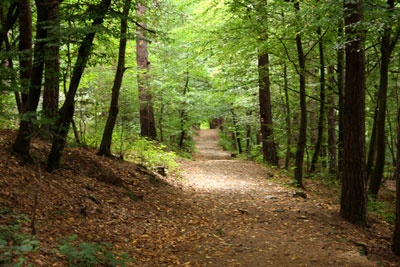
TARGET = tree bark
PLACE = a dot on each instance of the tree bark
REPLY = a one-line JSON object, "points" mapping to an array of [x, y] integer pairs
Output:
{"points": [[25, 49], [287, 119], [396, 231], [270, 154], [332, 151], [302, 139], [105, 145], [23, 140], [147, 120], [387, 46], [321, 115], [182, 113], [66, 112], [52, 72], [341, 80], [354, 197]]}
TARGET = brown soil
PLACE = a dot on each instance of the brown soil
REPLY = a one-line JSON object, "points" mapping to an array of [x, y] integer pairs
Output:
{"points": [[221, 212]]}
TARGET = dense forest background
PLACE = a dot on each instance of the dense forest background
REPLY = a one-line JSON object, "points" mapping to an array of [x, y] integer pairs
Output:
{"points": [[309, 86]]}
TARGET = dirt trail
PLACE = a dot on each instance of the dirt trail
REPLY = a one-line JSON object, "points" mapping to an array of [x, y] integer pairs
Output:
{"points": [[256, 222]]}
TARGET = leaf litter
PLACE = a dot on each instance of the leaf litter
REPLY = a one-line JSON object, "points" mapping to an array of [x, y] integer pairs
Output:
{"points": [[221, 212]]}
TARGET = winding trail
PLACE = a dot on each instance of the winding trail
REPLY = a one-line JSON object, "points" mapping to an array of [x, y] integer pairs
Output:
{"points": [[255, 222]]}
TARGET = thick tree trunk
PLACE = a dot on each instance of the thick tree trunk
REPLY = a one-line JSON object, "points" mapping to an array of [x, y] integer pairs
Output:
{"points": [[270, 154], [25, 49], [387, 46], [22, 142], [52, 72], [302, 139], [105, 145], [354, 196], [147, 120], [67, 110], [321, 115]]}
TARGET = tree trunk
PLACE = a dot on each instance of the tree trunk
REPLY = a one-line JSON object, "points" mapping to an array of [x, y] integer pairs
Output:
{"points": [[182, 113], [270, 154], [301, 143], [332, 152], [25, 49], [105, 145], [341, 80], [354, 197], [147, 121], [237, 139], [52, 72], [287, 119], [23, 140], [396, 231], [67, 110], [387, 46], [321, 118]]}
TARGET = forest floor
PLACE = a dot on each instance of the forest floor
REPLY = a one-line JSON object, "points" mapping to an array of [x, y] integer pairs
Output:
{"points": [[219, 212]]}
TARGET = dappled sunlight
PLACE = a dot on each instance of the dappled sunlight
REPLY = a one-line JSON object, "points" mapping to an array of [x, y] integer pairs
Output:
{"points": [[223, 175]]}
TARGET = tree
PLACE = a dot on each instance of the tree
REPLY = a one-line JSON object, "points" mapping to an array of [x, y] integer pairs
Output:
{"points": [[105, 146], [354, 197], [301, 143], [147, 121], [66, 112], [23, 140], [387, 45], [396, 231], [321, 115], [267, 138], [25, 49], [51, 71]]}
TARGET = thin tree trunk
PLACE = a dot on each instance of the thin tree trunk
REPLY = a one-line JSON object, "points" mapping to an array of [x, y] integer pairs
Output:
{"points": [[321, 118], [182, 112], [332, 152], [396, 231], [372, 146], [302, 139], [287, 118], [67, 109], [354, 197], [341, 80], [105, 145], [237, 138], [387, 46], [147, 120], [270, 154]]}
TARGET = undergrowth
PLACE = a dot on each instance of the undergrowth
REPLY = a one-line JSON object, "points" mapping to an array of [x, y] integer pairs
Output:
{"points": [[84, 254], [14, 243]]}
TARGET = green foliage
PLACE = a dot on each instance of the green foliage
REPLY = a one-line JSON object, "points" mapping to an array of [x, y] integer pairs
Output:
{"points": [[382, 208], [14, 244], [84, 254], [151, 154]]}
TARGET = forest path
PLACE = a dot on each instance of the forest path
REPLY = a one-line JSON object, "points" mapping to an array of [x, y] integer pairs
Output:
{"points": [[248, 220]]}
